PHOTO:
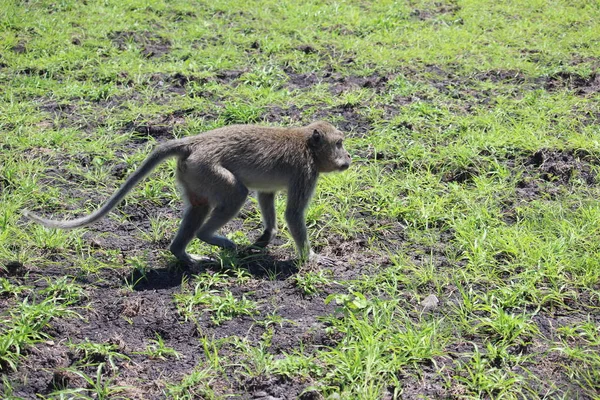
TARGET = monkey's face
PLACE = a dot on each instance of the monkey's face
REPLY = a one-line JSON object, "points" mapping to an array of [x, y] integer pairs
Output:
{"points": [[330, 154]]}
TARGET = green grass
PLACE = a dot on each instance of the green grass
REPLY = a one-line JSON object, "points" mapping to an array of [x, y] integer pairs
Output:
{"points": [[209, 296], [446, 195], [24, 324]]}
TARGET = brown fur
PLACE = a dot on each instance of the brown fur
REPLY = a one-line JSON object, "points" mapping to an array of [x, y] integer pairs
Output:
{"points": [[217, 169]]}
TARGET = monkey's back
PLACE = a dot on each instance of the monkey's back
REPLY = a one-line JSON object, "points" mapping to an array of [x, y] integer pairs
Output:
{"points": [[262, 158]]}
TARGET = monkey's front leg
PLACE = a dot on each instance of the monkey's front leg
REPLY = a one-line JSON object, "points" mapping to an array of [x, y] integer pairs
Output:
{"points": [[266, 201], [297, 227], [306, 254], [299, 195], [295, 215]]}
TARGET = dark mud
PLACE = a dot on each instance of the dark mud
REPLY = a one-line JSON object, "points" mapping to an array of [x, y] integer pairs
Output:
{"points": [[436, 11], [150, 44], [347, 118], [548, 173], [192, 85], [562, 166], [336, 81], [87, 116], [581, 85], [130, 319]]}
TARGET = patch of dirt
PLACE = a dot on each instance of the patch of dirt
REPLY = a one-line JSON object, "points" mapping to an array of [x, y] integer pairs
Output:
{"points": [[466, 89], [502, 76], [159, 128], [345, 118], [86, 116], [151, 44], [20, 48], [438, 9], [131, 319], [115, 316], [338, 83], [181, 80], [274, 387], [427, 383], [35, 71], [227, 76], [13, 268], [450, 82], [547, 172], [57, 109], [291, 114], [307, 49], [460, 175], [561, 166], [581, 85]]}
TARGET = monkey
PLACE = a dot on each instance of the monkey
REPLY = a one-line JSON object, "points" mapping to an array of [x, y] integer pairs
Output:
{"points": [[217, 169]]}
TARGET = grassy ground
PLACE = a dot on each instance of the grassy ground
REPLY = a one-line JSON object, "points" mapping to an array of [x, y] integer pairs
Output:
{"points": [[474, 131]]}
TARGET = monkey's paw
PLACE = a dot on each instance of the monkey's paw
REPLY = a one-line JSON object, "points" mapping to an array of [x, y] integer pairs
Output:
{"points": [[193, 260]]}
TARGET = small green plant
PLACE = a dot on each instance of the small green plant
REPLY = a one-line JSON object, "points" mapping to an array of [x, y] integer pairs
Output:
{"points": [[23, 327], [274, 319], [196, 384], [97, 173], [138, 274], [7, 288], [159, 226], [265, 77], [507, 327], [64, 289], [98, 386], [50, 238], [7, 390], [377, 338], [153, 190], [480, 378], [207, 281], [95, 353], [221, 304], [349, 302], [157, 349], [297, 365], [258, 361], [242, 276], [241, 113], [311, 283]]}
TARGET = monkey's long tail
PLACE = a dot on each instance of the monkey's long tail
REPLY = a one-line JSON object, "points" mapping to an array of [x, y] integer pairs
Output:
{"points": [[162, 152]]}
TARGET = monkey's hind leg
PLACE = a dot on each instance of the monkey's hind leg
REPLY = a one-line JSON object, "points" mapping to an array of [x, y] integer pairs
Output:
{"points": [[193, 217], [266, 201], [230, 200]]}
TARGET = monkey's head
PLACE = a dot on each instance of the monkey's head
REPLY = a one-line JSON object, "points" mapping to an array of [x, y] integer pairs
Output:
{"points": [[327, 144]]}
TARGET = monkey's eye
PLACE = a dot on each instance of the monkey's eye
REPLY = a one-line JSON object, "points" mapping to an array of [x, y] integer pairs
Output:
{"points": [[339, 143]]}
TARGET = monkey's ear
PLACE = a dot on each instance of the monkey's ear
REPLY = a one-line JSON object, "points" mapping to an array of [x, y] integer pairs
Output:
{"points": [[315, 138]]}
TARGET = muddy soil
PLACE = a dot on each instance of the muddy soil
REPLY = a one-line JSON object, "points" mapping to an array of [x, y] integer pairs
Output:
{"points": [[150, 44], [113, 314]]}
